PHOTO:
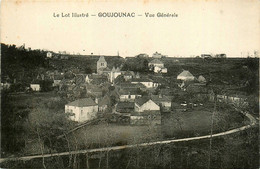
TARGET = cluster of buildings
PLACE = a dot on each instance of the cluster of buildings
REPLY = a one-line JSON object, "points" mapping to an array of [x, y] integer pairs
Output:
{"points": [[137, 99], [131, 96]]}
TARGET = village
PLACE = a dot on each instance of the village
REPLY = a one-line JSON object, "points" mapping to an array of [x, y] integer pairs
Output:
{"points": [[131, 97], [107, 101]]}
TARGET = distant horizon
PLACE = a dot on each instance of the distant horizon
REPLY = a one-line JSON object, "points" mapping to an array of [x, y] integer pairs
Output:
{"points": [[150, 56]]}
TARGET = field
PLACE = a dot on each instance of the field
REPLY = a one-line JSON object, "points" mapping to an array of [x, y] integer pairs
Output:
{"points": [[174, 125]]}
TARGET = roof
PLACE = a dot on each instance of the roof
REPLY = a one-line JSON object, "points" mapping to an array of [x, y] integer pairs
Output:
{"points": [[158, 98], [156, 61], [115, 69], [129, 91], [101, 59], [86, 102], [201, 79], [142, 100], [141, 80], [104, 101], [185, 73], [125, 107], [129, 73], [94, 88]]}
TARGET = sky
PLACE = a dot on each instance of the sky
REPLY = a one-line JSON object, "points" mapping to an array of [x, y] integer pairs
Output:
{"points": [[211, 26]]}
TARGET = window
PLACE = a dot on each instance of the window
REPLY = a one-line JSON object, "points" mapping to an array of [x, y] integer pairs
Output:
{"points": [[102, 64]]}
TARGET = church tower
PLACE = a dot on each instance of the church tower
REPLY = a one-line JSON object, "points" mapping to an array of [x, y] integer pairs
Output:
{"points": [[101, 64]]}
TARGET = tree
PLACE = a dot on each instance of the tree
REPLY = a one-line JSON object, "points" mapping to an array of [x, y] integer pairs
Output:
{"points": [[13, 118]]}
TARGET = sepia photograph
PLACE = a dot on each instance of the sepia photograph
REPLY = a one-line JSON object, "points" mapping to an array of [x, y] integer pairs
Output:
{"points": [[120, 84]]}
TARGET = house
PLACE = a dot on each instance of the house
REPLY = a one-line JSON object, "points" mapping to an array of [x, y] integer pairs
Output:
{"points": [[164, 101], [114, 73], [156, 62], [145, 81], [201, 79], [96, 79], [206, 56], [128, 75], [185, 76], [94, 90], [82, 110], [125, 107], [35, 87], [157, 66], [157, 69], [57, 79], [157, 55], [5, 85], [104, 103], [129, 94], [145, 104], [177, 107], [127, 85], [49, 55], [232, 98], [101, 64], [142, 55]]}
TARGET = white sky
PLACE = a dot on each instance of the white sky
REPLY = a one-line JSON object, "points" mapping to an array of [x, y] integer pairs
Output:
{"points": [[209, 26]]}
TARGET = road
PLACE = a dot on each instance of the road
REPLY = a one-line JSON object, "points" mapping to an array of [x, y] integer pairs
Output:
{"points": [[251, 118]]}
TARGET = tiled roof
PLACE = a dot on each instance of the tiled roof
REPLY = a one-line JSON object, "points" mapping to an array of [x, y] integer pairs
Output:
{"points": [[86, 102], [142, 100], [125, 107], [186, 73]]}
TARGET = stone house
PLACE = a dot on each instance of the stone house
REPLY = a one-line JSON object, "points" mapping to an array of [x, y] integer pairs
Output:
{"points": [[82, 110]]}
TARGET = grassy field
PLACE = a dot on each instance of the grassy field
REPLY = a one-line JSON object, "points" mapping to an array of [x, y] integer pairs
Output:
{"points": [[102, 135], [174, 125], [198, 122]]}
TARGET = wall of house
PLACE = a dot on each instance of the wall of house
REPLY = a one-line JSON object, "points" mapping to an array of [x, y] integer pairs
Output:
{"points": [[113, 76], [166, 104], [164, 70], [82, 113], [88, 113], [72, 109], [35, 87], [185, 78], [147, 84], [149, 105], [156, 64]]}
